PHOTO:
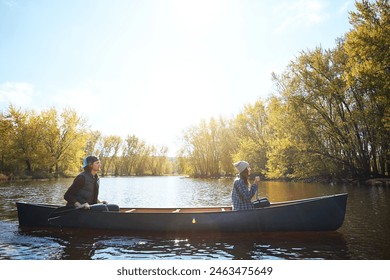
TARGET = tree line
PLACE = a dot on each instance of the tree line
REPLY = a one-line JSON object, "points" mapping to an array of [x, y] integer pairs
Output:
{"points": [[52, 143], [329, 116]]}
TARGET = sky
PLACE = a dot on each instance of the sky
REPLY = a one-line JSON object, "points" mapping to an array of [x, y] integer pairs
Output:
{"points": [[155, 68]]}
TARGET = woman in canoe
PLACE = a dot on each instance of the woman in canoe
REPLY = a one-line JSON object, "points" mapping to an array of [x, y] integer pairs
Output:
{"points": [[242, 193], [85, 188]]}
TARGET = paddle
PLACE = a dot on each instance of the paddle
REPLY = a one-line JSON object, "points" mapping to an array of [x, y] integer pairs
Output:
{"points": [[64, 210], [60, 211]]}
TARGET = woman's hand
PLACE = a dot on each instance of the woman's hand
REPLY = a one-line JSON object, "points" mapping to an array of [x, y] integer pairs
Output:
{"points": [[257, 180]]}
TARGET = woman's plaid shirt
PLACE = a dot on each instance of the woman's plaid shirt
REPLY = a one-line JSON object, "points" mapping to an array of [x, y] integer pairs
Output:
{"points": [[242, 196]]}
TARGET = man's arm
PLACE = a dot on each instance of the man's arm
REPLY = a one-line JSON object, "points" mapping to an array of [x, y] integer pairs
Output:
{"points": [[70, 195]]}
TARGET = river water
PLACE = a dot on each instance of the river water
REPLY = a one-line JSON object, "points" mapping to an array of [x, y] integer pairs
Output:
{"points": [[365, 233]]}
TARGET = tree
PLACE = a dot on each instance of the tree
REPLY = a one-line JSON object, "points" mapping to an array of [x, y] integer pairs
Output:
{"points": [[207, 149], [132, 155], [158, 160], [64, 137], [93, 143], [282, 149], [368, 76], [108, 155], [337, 120], [228, 147], [7, 164], [27, 137], [251, 126]]}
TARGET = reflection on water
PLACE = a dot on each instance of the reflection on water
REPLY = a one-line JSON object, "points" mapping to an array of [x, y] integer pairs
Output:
{"points": [[86, 244], [364, 235]]}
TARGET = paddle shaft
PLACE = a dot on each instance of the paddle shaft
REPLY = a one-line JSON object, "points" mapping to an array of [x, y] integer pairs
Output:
{"points": [[56, 213]]}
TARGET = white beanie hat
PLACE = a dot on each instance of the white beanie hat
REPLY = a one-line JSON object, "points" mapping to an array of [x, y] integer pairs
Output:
{"points": [[241, 165]]}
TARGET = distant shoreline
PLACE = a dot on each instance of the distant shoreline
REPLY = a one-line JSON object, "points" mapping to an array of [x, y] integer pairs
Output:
{"points": [[379, 181]]}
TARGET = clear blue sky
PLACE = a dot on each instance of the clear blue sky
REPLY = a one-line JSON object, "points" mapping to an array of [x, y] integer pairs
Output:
{"points": [[154, 68]]}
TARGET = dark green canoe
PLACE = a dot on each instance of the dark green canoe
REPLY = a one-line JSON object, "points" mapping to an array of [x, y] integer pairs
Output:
{"points": [[325, 213]]}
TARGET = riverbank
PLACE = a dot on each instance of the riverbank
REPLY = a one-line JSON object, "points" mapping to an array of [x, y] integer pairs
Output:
{"points": [[34, 176], [48, 177]]}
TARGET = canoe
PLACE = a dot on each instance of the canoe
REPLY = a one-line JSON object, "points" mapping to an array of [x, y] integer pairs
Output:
{"points": [[325, 213]]}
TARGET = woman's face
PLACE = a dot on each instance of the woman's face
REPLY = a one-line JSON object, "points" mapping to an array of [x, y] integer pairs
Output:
{"points": [[249, 170]]}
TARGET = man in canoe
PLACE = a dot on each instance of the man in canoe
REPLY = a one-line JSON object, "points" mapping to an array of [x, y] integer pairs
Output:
{"points": [[242, 193], [84, 190]]}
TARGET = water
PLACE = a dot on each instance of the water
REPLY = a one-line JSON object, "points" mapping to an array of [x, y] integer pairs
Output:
{"points": [[364, 234]]}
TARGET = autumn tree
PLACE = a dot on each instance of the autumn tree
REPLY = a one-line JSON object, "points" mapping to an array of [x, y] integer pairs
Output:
{"points": [[111, 146], [7, 160], [132, 153], [207, 148], [93, 145], [158, 160], [367, 74], [64, 138], [27, 146], [282, 147], [250, 127]]}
